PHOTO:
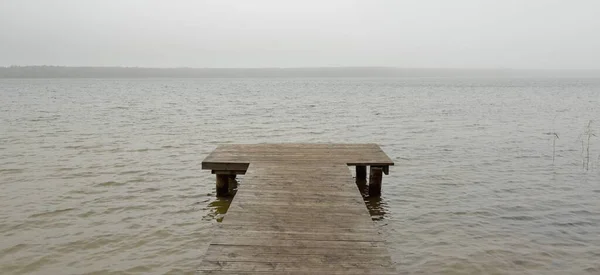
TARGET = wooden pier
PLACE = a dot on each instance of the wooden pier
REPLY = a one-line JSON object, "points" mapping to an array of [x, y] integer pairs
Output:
{"points": [[297, 211]]}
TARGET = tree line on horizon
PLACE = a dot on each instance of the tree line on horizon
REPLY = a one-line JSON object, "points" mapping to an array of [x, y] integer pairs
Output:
{"points": [[137, 72]]}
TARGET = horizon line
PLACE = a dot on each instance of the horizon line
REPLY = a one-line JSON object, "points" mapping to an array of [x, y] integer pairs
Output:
{"points": [[305, 67]]}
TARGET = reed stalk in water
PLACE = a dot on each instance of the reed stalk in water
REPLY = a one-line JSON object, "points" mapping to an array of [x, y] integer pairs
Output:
{"points": [[585, 148], [554, 146]]}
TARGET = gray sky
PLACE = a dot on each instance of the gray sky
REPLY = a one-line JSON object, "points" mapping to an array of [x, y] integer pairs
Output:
{"points": [[278, 33]]}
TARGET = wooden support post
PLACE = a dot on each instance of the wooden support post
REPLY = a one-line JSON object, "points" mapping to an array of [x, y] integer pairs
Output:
{"points": [[361, 172], [222, 185], [375, 182]]}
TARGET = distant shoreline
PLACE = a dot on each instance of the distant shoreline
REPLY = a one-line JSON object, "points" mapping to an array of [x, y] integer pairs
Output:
{"points": [[135, 72]]}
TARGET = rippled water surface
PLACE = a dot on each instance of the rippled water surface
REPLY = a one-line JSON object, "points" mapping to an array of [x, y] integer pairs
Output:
{"points": [[104, 175]]}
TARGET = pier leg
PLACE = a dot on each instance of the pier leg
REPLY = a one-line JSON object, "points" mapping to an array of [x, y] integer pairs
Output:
{"points": [[375, 182], [222, 185], [361, 172]]}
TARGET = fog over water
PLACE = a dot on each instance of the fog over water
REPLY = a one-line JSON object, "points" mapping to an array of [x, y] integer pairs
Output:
{"points": [[532, 34]]}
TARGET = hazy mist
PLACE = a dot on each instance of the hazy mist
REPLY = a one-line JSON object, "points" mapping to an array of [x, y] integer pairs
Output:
{"points": [[538, 34]]}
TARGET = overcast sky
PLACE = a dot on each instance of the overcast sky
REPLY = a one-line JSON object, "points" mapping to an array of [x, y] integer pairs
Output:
{"points": [[278, 33]]}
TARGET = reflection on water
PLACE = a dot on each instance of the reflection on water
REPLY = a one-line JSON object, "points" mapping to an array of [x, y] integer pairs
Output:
{"points": [[376, 205], [218, 208], [220, 205]]}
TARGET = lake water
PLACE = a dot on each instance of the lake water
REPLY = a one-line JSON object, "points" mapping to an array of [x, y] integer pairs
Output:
{"points": [[103, 175]]}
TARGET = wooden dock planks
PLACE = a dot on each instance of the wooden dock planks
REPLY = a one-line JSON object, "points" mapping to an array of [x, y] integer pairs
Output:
{"points": [[297, 211]]}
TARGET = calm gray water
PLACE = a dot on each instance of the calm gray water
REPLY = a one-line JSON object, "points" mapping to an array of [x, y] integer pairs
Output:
{"points": [[104, 175]]}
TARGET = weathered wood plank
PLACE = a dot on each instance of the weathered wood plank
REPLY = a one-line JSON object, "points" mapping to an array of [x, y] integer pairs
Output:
{"points": [[224, 166], [297, 211], [294, 266], [313, 272], [259, 208], [232, 156], [308, 236], [318, 259], [293, 250], [229, 172]]}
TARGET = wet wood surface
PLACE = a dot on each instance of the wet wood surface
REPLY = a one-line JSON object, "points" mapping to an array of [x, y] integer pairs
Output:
{"points": [[297, 211]]}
